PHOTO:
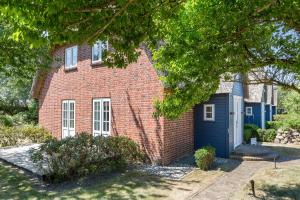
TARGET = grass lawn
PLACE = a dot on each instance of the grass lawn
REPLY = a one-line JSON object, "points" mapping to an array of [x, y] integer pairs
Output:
{"points": [[15, 184], [282, 183], [290, 150]]}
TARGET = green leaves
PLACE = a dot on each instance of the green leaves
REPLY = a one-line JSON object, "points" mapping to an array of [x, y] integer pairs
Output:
{"points": [[200, 40]]}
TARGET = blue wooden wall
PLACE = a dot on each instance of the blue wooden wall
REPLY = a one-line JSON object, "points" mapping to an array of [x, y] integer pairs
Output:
{"points": [[267, 114], [214, 133], [274, 110], [256, 117]]}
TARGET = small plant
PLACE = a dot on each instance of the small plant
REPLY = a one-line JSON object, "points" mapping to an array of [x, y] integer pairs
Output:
{"points": [[204, 157], [250, 131], [6, 120], [267, 135]]}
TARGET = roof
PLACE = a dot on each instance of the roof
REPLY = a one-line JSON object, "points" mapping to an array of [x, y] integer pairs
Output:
{"points": [[225, 87], [255, 93]]}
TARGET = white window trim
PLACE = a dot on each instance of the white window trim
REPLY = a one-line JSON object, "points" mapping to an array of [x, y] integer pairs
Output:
{"points": [[100, 59], [68, 117], [251, 111], [212, 111], [71, 66], [101, 132]]}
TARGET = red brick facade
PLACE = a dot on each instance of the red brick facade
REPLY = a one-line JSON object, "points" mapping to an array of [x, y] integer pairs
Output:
{"points": [[132, 92]]}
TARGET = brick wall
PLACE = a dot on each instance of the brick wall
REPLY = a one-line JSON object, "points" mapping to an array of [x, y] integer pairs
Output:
{"points": [[132, 92], [178, 137]]}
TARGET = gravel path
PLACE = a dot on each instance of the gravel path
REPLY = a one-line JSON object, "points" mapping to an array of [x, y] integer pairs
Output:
{"points": [[20, 157]]}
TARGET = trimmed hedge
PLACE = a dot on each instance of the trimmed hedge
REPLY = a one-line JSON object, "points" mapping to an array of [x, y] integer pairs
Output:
{"points": [[84, 154], [10, 136], [204, 157]]}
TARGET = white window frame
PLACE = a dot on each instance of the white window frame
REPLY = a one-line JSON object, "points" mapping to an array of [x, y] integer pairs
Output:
{"points": [[100, 60], [68, 119], [101, 131], [72, 56], [249, 108], [212, 112]]}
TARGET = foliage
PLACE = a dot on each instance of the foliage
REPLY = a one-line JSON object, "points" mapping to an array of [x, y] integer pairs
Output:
{"points": [[250, 131], [267, 135], [210, 39], [290, 101], [200, 40], [10, 136], [6, 120], [84, 154], [204, 157], [285, 121]]}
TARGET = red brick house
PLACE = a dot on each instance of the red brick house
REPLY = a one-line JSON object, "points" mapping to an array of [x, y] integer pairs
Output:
{"points": [[80, 94]]}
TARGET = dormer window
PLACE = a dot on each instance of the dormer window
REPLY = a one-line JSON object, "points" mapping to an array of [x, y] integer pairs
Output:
{"points": [[98, 50], [71, 57]]}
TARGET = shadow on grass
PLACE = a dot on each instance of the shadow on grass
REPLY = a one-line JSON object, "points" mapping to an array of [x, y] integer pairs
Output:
{"points": [[276, 192], [287, 151], [15, 184]]}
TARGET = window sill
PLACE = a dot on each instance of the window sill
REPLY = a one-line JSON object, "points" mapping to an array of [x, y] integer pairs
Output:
{"points": [[70, 69], [97, 64]]}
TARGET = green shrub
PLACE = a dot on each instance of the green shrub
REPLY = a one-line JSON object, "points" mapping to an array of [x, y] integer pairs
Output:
{"points": [[10, 136], [285, 121], [6, 120], [247, 135], [250, 131], [267, 135], [204, 157], [251, 126], [84, 154]]}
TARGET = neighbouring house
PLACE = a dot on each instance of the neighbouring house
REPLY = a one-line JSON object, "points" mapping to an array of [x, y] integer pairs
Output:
{"points": [[260, 104], [219, 122], [80, 94]]}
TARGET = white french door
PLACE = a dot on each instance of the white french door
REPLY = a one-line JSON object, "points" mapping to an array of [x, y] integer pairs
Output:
{"points": [[237, 129], [68, 118], [101, 117]]}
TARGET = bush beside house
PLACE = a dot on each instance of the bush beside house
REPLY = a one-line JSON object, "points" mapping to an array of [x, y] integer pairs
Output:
{"points": [[10, 136], [250, 131], [204, 157], [84, 154]]}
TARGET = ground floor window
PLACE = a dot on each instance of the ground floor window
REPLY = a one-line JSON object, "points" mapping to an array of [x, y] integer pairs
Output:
{"points": [[209, 112], [249, 111], [101, 117], [68, 118]]}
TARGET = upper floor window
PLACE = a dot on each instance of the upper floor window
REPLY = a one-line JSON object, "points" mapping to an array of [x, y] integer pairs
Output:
{"points": [[249, 111], [71, 57], [209, 112], [98, 50]]}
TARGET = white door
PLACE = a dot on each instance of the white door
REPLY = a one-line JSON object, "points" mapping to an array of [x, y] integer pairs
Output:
{"points": [[263, 115], [237, 127], [68, 118]]}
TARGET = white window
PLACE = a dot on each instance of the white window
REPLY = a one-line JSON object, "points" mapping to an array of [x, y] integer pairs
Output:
{"points": [[101, 117], [98, 51], [68, 118], [248, 111], [71, 57], [209, 112]]}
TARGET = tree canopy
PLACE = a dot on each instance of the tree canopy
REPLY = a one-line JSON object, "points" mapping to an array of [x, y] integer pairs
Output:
{"points": [[195, 42]]}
